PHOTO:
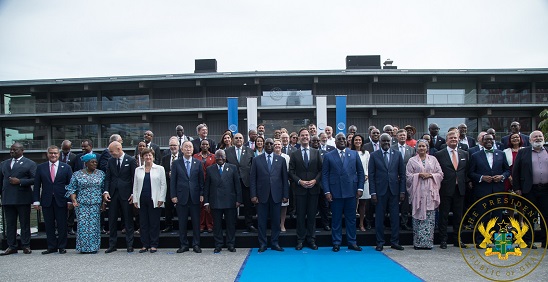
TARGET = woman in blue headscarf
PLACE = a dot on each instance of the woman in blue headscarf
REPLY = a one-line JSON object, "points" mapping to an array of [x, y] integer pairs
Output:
{"points": [[85, 190]]}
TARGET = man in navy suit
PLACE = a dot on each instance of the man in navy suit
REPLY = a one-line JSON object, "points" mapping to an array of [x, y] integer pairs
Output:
{"points": [[514, 128], [52, 177], [436, 140], [269, 187], [465, 139], [119, 193], [17, 174], [387, 188], [342, 181], [187, 192], [530, 180], [202, 132], [222, 195], [87, 147], [67, 156], [167, 161]]}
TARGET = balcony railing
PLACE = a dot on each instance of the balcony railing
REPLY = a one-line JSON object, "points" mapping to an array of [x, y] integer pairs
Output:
{"points": [[283, 101]]}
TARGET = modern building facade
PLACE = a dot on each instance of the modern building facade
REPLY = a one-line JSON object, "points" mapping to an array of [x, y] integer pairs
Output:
{"points": [[39, 113]]}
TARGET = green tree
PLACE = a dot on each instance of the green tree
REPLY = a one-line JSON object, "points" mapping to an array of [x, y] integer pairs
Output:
{"points": [[543, 125]]}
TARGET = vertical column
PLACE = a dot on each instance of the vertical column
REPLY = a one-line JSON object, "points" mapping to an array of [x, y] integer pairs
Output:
{"points": [[341, 114], [251, 113], [232, 103], [321, 113]]}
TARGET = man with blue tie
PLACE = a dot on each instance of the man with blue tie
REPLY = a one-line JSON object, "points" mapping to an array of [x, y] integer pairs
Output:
{"points": [[187, 192], [387, 188], [51, 178], [342, 181], [269, 187]]}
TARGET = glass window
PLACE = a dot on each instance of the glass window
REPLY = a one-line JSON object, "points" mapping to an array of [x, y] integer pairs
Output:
{"points": [[25, 103], [74, 102], [446, 123], [75, 133], [131, 133], [125, 100], [451, 93], [505, 93], [287, 98], [32, 137]]}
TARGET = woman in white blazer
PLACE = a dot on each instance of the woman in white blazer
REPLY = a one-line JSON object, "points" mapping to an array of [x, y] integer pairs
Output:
{"points": [[149, 192]]}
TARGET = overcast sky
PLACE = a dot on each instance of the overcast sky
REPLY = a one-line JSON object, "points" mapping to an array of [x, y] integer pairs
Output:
{"points": [[73, 38]]}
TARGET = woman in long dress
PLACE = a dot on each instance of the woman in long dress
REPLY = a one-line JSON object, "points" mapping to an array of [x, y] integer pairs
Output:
{"points": [[85, 190], [424, 176], [364, 200]]}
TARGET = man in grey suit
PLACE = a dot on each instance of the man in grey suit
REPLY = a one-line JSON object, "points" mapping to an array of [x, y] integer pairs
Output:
{"points": [[119, 193], [407, 152], [187, 192], [17, 174], [222, 195], [241, 156], [305, 169], [269, 188]]}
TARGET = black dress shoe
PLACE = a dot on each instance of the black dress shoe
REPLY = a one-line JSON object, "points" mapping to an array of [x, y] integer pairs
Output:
{"points": [[378, 248], [27, 251], [327, 228], [277, 248], [355, 248], [130, 250], [443, 245], [231, 249], [197, 249], [49, 251], [313, 246], [8, 251], [299, 246], [252, 229], [152, 251], [460, 245], [71, 232], [532, 245], [143, 250], [397, 247], [62, 251], [182, 250], [167, 229], [262, 249], [103, 231], [336, 248], [110, 250], [217, 250]]}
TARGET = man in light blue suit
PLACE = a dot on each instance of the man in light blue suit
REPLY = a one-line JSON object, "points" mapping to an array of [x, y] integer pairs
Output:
{"points": [[51, 178], [342, 180], [387, 188], [269, 187]]}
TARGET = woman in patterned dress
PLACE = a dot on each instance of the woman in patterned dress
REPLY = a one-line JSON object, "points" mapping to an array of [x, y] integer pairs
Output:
{"points": [[85, 190], [424, 176]]}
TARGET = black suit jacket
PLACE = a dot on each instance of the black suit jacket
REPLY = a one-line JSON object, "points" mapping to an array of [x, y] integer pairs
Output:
{"points": [[222, 191], [121, 180], [439, 141], [471, 141], [505, 139], [460, 146], [187, 188], [42, 180], [197, 142], [290, 149], [244, 166], [370, 148], [522, 172], [157, 152], [71, 159], [299, 171], [450, 175], [103, 160], [25, 170], [166, 163]]}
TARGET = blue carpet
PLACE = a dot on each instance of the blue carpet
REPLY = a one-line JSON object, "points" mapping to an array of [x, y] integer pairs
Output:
{"points": [[322, 265]]}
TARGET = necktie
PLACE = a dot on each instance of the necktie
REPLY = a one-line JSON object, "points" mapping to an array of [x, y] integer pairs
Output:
{"points": [[118, 164], [64, 158], [490, 151], [52, 172], [238, 154], [285, 150], [455, 162], [376, 146], [221, 170], [305, 158], [253, 146], [386, 158], [269, 161], [402, 151], [187, 163], [12, 162], [172, 160], [342, 156], [180, 141]]}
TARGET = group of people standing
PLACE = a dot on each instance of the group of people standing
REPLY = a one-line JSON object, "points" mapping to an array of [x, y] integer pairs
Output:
{"points": [[195, 177]]}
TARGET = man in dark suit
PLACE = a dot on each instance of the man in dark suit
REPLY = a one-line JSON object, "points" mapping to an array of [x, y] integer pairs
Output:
{"points": [[465, 139], [387, 188], [87, 147], [496, 144], [436, 139], [342, 180], [17, 174], [202, 132], [241, 157], [530, 181], [454, 164], [515, 127], [268, 182], [147, 137], [286, 147], [406, 152], [222, 195], [373, 144], [51, 178], [187, 192], [305, 169], [479, 146], [252, 137], [323, 142], [323, 204], [167, 161], [105, 155], [488, 169], [67, 156], [119, 194]]}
